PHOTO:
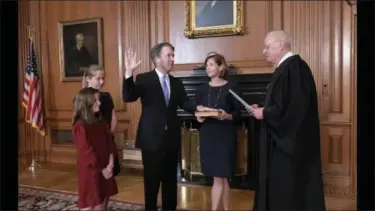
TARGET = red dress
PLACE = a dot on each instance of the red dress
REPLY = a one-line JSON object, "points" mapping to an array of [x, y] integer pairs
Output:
{"points": [[94, 145]]}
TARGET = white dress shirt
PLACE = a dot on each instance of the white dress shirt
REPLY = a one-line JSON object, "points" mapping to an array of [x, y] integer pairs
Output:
{"points": [[287, 55], [160, 75]]}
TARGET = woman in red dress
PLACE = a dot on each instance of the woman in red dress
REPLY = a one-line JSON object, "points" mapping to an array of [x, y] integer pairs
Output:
{"points": [[96, 152]]}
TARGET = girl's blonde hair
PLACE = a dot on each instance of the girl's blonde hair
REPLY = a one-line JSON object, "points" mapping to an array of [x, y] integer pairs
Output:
{"points": [[90, 72]]}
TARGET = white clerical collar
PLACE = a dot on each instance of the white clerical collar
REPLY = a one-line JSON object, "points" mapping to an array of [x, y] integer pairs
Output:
{"points": [[160, 74], [287, 55]]}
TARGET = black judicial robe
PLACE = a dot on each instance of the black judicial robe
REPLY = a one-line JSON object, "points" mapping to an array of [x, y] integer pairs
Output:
{"points": [[290, 172]]}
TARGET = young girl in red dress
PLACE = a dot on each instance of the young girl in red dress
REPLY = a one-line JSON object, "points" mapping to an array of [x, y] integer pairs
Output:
{"points": [[96, 152]]}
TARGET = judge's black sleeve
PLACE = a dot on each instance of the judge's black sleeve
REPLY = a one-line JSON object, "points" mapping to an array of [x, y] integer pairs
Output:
{"points": [[286, 114]]}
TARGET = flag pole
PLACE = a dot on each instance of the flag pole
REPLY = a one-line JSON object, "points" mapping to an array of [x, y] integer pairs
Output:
{"points": [[34, 164]]}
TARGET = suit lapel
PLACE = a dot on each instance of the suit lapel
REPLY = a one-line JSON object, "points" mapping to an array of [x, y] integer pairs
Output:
{"points": [[171, 88]]}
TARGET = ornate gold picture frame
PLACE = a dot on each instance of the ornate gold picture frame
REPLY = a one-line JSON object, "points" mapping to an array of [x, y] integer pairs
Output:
{"points": [[80, 45], [213, 18]]}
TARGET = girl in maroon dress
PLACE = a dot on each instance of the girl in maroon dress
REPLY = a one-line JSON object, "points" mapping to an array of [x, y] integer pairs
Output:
{"points": [[96, 152]]}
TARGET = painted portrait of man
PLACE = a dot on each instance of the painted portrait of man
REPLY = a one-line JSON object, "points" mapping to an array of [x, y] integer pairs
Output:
{"points": [[213, 13], [82, 47]]}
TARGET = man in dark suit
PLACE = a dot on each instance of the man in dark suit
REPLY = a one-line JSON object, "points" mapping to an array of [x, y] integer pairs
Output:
{"points": [[158, 133]]}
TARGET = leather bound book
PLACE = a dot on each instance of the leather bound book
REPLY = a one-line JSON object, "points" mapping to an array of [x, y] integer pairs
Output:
{"points": [[207, 113]]}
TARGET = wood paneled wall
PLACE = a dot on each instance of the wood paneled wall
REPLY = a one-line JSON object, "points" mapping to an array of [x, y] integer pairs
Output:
{"points": [[323, 33]]}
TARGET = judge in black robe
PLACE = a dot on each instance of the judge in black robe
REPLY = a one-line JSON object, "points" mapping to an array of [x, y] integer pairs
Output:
{"points": [[290, 173]]}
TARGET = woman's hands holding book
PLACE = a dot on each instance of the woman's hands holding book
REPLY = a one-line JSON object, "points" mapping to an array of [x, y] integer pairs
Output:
{"points": [[201, 108], [217, 113], [200, 119], [224, 115], [204, 108]]}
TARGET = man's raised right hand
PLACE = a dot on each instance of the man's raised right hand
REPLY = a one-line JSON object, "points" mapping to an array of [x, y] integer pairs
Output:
{"points": [[130, 62]]}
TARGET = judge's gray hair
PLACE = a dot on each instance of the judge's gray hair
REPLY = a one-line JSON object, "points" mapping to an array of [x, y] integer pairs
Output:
{"points": [[283, 37]]}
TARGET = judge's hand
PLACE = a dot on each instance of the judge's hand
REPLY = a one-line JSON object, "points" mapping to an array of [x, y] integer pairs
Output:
{"points": [[258, 113], [254, 106], [250, 108], [131, 62]]}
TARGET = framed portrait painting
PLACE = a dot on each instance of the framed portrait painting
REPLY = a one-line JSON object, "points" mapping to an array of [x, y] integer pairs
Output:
{"points": [[213, 18], [80, 46]]}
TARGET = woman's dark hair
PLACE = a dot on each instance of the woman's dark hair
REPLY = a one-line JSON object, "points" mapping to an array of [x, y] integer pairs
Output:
{"points": [[83, 104], [219, 60]]}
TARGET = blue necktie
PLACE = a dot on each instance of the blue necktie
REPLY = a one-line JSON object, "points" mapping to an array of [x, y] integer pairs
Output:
{"points": [[165, 92], [165, 89]]}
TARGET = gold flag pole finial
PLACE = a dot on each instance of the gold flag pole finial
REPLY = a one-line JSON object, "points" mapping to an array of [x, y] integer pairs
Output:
{"points": [[31, 31]]}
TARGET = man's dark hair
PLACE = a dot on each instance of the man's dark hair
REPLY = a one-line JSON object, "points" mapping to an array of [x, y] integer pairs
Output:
{"points": [[156, 50]]}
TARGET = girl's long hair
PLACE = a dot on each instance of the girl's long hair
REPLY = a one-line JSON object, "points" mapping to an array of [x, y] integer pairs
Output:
{"points": [[83, 106]]}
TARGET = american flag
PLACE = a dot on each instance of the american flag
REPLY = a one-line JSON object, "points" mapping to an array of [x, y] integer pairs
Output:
{"points": [[32, 95]]}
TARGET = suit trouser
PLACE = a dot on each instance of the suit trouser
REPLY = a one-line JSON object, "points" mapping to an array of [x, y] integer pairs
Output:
{"points": [[160, 167]]}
